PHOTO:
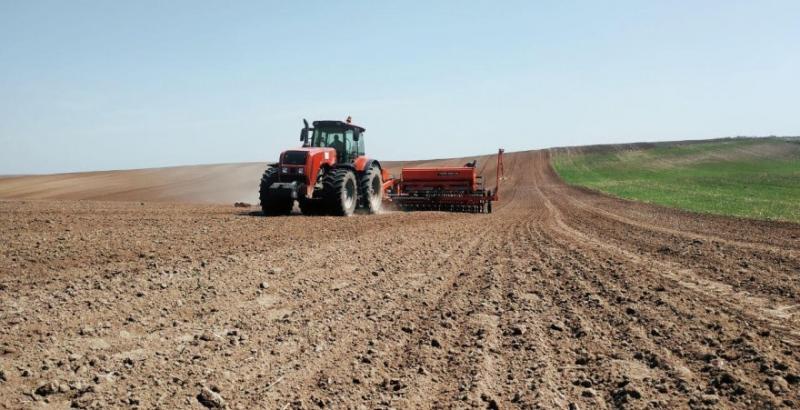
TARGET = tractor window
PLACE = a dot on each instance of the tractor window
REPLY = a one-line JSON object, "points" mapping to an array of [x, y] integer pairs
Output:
{"points": [[325, 138], [341, 140], [360, 143], [348, 141], [350, 146]]}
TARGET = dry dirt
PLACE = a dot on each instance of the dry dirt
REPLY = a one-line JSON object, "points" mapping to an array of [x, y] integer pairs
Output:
{"points": [[219, 183], [562, 298]]}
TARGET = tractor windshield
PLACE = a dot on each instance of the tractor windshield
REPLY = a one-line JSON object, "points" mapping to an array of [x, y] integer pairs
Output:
{"points": [[341, 140]]}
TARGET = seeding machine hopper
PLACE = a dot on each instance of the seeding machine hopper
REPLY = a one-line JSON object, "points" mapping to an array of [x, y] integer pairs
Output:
{"points": [[454, 189]]}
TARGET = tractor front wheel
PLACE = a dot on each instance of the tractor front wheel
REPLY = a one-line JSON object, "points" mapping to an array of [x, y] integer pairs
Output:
{"points": [[271, 205], [371, 190], [340, 191]]}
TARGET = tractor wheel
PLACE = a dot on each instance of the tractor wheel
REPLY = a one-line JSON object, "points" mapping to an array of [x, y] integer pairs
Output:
{"points": [[340, 192], [371, 190], [312, 206], [270, 205]]}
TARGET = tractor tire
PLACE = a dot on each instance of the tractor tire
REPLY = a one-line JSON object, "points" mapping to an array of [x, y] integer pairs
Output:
{"points": [[340, 192], [371, 190], [269, 205]]}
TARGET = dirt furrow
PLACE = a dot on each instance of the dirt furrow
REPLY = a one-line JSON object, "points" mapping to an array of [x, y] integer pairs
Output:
{"points": [[562, 298]]}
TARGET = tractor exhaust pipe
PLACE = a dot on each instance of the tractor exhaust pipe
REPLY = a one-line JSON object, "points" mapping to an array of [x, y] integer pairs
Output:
{"points": [[304, 133]]}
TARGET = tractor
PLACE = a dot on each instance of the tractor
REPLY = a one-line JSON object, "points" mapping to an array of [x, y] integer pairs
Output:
{"points": [[329, 175]]}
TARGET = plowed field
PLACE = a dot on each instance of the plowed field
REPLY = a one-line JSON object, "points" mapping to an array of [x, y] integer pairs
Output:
{"points": [[562, 298]]}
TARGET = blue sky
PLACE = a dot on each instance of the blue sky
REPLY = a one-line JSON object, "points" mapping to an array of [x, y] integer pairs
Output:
{"points": [[110, 85]]}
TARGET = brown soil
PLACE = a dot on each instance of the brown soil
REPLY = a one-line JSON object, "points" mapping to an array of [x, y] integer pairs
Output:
{"points": [[221, 183], [562, 298]]}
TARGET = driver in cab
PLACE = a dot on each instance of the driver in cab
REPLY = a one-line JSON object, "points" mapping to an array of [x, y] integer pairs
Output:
{"points": [[337, 144]]}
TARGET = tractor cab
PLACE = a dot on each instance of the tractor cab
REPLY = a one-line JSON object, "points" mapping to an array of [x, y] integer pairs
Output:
{"points": [[347, 139]]}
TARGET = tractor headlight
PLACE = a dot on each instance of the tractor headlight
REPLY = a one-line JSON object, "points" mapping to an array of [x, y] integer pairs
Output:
{"points": [[285, 170]]}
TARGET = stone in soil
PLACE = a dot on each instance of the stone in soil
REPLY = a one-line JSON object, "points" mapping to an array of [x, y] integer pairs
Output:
{"points": [[210, 399]]}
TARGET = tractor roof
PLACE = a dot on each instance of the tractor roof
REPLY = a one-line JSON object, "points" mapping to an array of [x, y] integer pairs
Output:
{"points": [[338, 125]]}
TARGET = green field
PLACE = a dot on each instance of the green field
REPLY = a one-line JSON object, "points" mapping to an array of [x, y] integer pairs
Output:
{"points": [[747, 177]]}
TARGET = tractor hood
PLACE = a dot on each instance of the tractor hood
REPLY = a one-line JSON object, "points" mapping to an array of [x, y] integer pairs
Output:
{"points": [[298, 156]]}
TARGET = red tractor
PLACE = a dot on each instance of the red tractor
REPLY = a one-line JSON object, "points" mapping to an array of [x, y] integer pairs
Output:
{"points": [[329, 175]]}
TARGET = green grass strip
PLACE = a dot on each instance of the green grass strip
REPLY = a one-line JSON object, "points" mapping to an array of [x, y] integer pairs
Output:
{"points": [[746, 177]]}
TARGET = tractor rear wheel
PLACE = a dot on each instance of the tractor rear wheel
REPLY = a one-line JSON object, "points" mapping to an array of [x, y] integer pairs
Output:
{"points": [[371, 190], [271, 205], [340, 192]]}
